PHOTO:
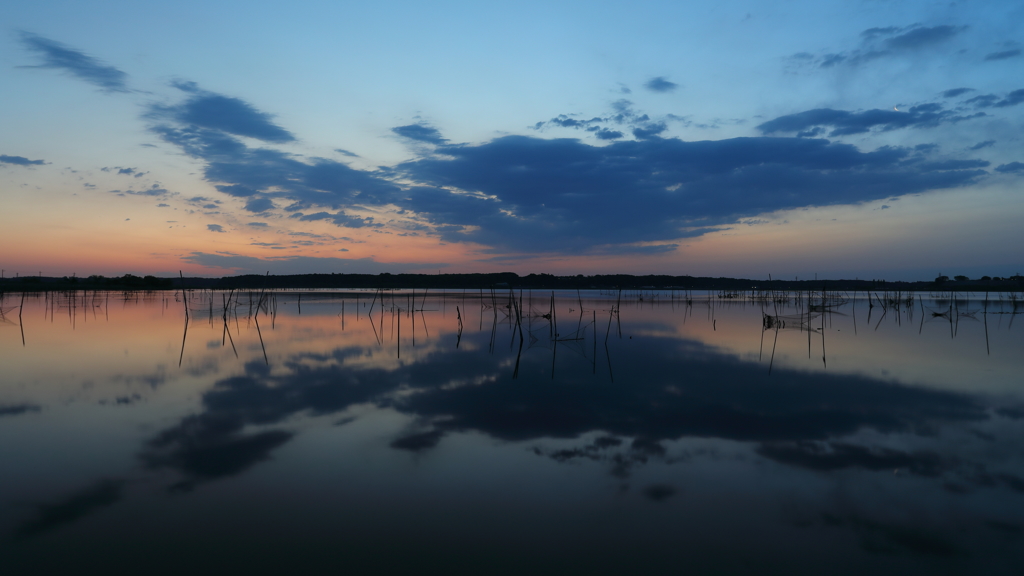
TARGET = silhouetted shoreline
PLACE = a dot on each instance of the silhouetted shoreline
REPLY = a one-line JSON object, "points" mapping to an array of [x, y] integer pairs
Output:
{"points": [[495, 280]]}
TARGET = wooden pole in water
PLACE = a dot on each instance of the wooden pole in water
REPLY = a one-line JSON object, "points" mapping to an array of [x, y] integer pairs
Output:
{"points": [[184, 297], [22, 325], [554, 318]]}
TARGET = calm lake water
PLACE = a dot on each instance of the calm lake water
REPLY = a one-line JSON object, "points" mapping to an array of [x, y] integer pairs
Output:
{"points": [[365, 433]]}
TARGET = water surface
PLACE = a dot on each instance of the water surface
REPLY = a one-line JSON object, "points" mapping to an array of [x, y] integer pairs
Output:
{"points": [[498, 432]]}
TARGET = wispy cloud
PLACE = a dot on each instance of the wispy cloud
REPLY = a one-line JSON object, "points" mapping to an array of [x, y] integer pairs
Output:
{"points": [[660, 84], [20, 160], [844, 123], [953, 93], [226, 114], [1004, 55], [303, 264], [420, 133], [60, 57], [884, 42], [339, 219], [609, 126], [920, 37], [154, 191]]}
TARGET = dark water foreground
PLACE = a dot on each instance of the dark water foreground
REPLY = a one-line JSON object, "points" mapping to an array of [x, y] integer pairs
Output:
{"points": [[463, 433]]}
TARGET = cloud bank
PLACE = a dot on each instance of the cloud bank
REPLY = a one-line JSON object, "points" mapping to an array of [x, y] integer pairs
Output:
{"points": [[632, 187]]}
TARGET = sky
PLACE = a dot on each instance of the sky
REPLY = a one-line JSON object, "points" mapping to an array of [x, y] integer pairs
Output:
{"points": [[856, 139]]}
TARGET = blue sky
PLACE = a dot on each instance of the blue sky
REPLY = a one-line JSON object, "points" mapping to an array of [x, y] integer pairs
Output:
{"points": [[854, 139]]}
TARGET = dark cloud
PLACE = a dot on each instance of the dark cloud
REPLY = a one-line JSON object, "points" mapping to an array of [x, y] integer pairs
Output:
{"points": [[260, 175], [215, 228], [830, 60], [525, 194], [47, 517], [1003, 55], [605, 134], [346, 153], [985, 144], [134, 172], [58, 56], [420, 133], [304, 264], [924, 36], [660, 84], [239, 170], [843, 123], [953, 165], [883, 42], [648, 132], [155, 191], [1012, 167], [20, 160], [259, 205], [993, 101], [224, 114], [568, 121], [565, 195], [873, 33], [339, 219], [257, 224], [954, 92], [186, 86], [237, 190], [623, 115], [982, 100], [1012, 99], [16, 409]]}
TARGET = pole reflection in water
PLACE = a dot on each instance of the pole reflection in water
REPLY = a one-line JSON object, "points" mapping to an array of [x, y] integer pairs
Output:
{"points": [[900, 451]]}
